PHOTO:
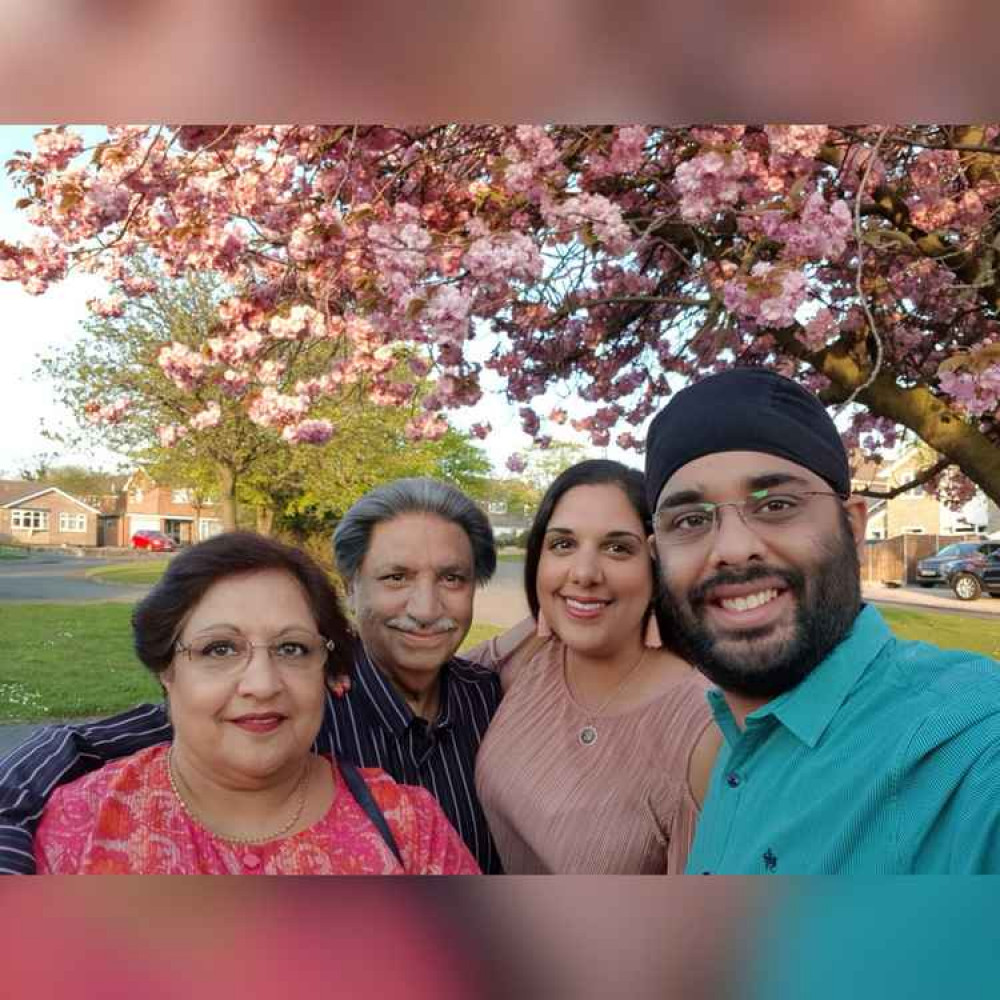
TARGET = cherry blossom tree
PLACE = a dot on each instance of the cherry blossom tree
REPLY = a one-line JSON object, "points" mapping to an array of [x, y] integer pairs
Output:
{"points": [[614, 262]]}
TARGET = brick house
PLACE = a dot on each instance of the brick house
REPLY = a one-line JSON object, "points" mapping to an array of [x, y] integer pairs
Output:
{"points": [[34, 513], [143, 503], [917, 512]]}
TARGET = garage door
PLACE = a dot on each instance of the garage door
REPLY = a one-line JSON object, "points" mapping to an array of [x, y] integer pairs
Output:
{"points": [[144, 522]]}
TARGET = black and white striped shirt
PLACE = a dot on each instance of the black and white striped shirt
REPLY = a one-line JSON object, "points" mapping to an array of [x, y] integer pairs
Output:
{"points": [[371, 726]]}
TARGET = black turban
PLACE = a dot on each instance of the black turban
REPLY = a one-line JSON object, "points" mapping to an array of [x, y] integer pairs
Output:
{"points": [[745, 409]]}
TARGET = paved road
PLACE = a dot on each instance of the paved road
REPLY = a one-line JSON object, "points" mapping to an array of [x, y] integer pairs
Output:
{"points": [[55, 577]]}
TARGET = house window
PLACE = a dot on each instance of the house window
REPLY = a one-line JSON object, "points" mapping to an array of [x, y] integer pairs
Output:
{"points": [[137, 496], [180, 496], [33, 520], [72, 522]]}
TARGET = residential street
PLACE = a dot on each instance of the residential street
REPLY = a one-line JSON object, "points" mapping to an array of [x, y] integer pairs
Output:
{"points": [[56, 577]]}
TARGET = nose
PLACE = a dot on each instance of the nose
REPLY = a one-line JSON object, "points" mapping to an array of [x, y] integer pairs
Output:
{"points": [[733, 542], [260, 678], [424, 605], [585, 569]]}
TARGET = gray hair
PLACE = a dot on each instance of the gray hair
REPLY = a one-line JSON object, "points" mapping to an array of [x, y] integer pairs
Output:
{"points": [[413, 496]]}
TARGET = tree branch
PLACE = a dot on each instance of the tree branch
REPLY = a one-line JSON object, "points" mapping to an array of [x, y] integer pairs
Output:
{"points": [[923, 477]]}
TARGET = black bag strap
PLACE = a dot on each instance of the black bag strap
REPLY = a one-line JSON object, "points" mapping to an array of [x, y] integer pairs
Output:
{"points": [[363, 796]]}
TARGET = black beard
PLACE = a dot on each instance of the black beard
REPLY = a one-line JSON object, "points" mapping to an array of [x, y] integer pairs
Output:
{"points": [[826, 605]]}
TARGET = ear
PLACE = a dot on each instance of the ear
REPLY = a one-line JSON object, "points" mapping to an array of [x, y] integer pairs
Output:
{"points": [[857, 515]]}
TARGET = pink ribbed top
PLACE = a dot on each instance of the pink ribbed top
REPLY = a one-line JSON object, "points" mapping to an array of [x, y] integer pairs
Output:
{"points": [[620, 806]]}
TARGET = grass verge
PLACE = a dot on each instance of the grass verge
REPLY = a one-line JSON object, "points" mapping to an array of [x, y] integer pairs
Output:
{"points": [[7, 552], [137, 572], [65, 661]]}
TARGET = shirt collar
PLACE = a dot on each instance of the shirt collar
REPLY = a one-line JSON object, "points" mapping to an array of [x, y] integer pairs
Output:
{"points": [[389, 705], [808, 709]]}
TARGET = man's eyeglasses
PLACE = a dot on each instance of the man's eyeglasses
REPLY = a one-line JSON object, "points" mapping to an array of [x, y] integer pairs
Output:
{"points": [[763, 511], [223, 654]]}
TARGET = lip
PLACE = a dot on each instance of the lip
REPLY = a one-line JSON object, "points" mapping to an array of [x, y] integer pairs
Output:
{"points": [[265, 722], [423, 638], [749, 618], [584, 608]]}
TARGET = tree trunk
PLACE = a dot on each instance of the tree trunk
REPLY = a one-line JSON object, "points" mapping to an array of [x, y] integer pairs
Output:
{"points": [[922, 412], [227, 497], [265, 520]]}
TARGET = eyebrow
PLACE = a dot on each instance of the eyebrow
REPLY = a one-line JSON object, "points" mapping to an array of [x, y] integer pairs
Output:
{"points": [[401, 568], [610, 534], [764, 482]]}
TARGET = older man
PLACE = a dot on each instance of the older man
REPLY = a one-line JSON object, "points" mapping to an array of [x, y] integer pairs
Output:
{"points": [[846, 750], [412, 553]]}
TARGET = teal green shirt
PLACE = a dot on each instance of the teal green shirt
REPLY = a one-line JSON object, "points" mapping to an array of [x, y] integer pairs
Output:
{"points": [[884, 760]]}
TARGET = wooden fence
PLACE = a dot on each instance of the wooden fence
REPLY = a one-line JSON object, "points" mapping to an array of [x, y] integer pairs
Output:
{"points": [[894, 560]]}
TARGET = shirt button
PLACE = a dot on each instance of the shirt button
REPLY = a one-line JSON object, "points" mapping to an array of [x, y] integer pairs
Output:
{"points": [[251, 861], [733, 780]]}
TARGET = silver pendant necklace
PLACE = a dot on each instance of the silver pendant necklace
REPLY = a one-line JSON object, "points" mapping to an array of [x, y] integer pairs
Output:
{"points": [[588, 735]]}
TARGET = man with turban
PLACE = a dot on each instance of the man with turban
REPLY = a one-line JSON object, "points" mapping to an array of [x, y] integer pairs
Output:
{"points": [[845, 750]]}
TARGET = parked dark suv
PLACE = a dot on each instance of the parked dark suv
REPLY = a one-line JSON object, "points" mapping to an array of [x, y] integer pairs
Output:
{"points": [[975, 573], [934, 569]]}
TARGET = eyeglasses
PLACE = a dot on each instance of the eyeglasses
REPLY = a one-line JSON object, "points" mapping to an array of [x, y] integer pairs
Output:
{"points": [[764, 511], [225, 654]]}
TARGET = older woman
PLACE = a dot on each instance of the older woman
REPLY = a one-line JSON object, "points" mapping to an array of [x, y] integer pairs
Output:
{"points": [[241, 633], [599, 755]]}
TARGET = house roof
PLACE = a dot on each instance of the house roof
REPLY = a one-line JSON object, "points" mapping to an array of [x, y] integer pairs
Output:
{"points": [[13, 493]]}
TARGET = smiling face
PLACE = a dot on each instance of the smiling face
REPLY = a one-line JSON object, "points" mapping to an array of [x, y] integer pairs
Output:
{"points": [[757, 609], [246, 727], [594, 577], [413, 595]]}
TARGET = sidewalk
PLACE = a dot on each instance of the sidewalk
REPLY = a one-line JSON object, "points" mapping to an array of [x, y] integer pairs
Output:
{"points": [[931, 599]]}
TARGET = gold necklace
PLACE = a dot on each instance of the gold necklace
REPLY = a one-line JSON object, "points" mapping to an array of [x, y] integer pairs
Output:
{"points": [[302, 787], [587, 736]]}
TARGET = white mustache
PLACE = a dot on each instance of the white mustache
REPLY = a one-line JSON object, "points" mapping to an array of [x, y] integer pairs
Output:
{"points": [[405, 623]]}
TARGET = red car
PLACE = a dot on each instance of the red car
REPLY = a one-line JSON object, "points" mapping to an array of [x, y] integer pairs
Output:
{"points": [[155, 541]]}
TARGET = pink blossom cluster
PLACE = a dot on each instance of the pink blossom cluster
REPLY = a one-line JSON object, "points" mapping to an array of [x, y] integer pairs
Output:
{"points": [[589, 212], [170, 434], [797, 140], [495, 260], [628, 147], [769, 295], [275, 409], [427, 427], [210, 416], [308, 432], [975, 392], [109, 413], [301, 322], [111, 307], [185, 367], [55, 148], [516, 463], [820, 231], [710, 182]]}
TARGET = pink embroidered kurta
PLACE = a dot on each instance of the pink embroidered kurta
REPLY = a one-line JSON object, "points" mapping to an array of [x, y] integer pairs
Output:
{"points": [[126, 819]]}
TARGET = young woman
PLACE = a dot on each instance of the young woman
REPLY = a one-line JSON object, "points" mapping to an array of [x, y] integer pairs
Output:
{"points": [[599, 755]]}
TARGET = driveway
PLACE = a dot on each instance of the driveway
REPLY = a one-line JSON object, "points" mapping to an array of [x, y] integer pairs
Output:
{"points": [[56, 577]]}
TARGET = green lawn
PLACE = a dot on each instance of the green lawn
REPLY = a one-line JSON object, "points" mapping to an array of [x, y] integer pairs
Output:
{"points": [[67, 661], [511, 556], [137, 572], [63, 661], [7, 552]]}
